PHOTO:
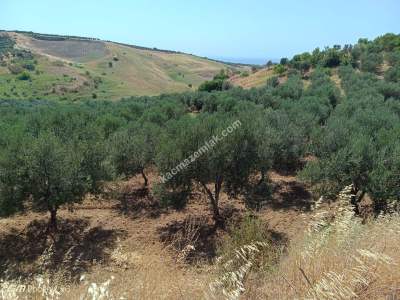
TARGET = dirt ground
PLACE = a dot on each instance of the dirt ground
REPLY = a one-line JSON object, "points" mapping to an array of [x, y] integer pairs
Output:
{"points": [[91, 231]]}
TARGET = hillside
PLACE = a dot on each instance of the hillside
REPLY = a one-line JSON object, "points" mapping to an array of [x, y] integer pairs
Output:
{"points": [[257, 78], [286, 191], [80, 68]]}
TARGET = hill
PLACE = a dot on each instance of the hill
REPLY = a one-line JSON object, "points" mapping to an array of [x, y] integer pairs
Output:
{"points": [[65, 67], [287, 191], [257, 78]]}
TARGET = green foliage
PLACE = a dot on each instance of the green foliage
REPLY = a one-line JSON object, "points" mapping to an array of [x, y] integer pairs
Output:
{"points": [[219, 83], [393, 74], [6, 44], [284, 61], [133, 149], [24, 76], [249, 230], [332, 58], [30, 66], [370, 62], [209, 86], [279, 69], [12, 172], [393, 58], [292, 88], [52, 154], [54, 172], [184, 159], [50, 159], [359, 143], [222, 75], [301, 62], [388, 42]]}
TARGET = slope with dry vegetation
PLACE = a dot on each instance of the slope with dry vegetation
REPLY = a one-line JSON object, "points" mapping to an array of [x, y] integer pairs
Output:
{"points": [[77, 68], [339, 256], [217, 187]]}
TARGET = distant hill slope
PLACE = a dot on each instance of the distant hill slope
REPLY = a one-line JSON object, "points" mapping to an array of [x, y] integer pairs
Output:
{"points": [[257, 78], [77, 68]]}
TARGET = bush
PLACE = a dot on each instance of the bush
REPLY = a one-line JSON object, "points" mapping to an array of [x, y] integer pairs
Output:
{"points": [[284, 61], [393, 58], [279, 69], [209, 86], [248, 248], [24, 76], [29, 66], [249, 230], [393, 74], [370, 62]]}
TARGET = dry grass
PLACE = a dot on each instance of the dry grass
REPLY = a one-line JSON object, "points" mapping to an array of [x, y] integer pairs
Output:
{"points": [[146, 273], [338, 257], [257, 79], [134, 72]]}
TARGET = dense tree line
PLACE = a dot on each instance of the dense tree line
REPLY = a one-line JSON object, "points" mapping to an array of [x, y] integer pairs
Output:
{"points": [[52, 154], [366, 55]]}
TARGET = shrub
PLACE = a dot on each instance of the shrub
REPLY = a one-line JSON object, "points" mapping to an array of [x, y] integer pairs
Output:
{"points": [[279, 69], [29, 66], [284, 61], [370, 62], [24, 76], [393, 74], [247, 248]]}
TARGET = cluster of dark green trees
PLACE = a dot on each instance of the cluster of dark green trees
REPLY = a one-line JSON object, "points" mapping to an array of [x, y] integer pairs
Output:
{"points": [[365, 55], [55, 153], [219, 83]]}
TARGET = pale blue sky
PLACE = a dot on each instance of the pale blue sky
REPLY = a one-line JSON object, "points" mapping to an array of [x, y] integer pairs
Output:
{"points": [[220, 28]]}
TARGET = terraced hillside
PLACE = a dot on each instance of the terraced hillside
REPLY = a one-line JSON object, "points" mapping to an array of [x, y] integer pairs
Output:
{"points": [[79, 68]]}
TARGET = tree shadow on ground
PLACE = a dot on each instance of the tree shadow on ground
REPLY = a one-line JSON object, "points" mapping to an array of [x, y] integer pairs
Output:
{"points": [[138, 202], [73, 249], [196, 231], [281, 191], [202, 233], [291, 195]]}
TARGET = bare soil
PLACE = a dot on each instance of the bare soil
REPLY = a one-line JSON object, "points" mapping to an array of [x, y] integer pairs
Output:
{"points": [[92, 229]]}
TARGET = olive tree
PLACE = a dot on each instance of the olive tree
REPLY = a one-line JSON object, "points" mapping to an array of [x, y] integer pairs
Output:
{"points": [[12, 173], [133, 149], [216, 152], [47, 173]]}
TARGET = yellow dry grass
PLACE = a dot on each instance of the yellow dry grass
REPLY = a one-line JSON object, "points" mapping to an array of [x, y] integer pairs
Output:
{"points": [[338, 257], [145, 272], [124, 71], [257, 79]]}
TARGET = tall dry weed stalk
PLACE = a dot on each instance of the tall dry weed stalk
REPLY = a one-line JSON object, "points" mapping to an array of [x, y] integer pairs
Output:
{"points": [[247, 247], [230, 284], [339, 258]]}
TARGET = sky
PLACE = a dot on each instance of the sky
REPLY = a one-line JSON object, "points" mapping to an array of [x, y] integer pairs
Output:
{"points": [[250, 31]]}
